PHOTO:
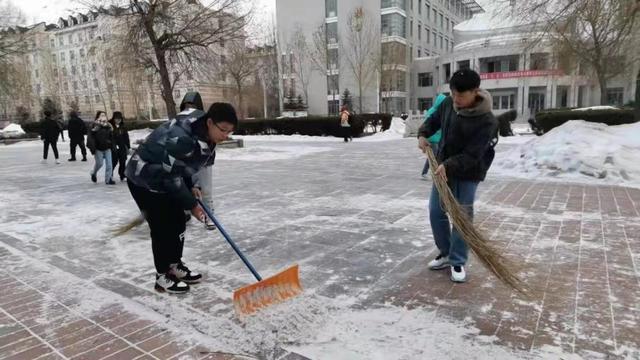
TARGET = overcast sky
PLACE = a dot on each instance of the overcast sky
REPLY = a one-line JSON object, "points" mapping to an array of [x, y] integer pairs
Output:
{"points": [[46, 10]]}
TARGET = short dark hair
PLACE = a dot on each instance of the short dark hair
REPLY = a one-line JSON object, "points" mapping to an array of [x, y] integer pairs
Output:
{"points": [[222, 112], [98, 114], [464, 80]]}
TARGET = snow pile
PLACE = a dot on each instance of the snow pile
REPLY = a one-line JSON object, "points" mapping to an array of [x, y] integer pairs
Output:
{"points": [[12, 130], [395, 131], [267, 153], [577, 150], [288, 138], [603, 107]]}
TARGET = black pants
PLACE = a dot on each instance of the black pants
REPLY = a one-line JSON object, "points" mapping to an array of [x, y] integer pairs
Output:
{"points": [[167, 223], [54, 147], [119, 156], [346, 133], [83, 149]]}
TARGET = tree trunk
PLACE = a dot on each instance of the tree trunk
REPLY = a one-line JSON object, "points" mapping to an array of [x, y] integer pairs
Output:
{"points": [[240, 108], [165, 84], [603, 90]]}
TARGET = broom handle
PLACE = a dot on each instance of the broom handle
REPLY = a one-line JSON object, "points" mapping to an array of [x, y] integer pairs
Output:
{"points": [[228, 238]]}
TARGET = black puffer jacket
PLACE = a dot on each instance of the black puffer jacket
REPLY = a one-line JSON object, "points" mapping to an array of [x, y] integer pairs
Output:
{"points": [[468, 137], [77, 128], [100, 137], [50, 130]]}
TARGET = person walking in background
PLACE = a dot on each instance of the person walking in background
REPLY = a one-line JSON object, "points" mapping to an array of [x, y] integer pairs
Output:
{"points": [[100, 143], [49, 134], [435, 139], [77, 130], [344, 123], [121, 144]]}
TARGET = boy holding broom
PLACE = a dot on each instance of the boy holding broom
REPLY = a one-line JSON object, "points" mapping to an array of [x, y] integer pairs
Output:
{"points": [[465, 153]]}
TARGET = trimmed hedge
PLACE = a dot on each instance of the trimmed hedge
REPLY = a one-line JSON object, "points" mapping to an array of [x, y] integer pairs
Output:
{"points": [[548, 120], [312, 125]]}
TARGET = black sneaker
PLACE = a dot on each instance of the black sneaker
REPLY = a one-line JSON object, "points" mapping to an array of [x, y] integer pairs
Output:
{"points": [[72, 159], [94, 178], [181, 272], [84, 159], [111, 182], [168, 283]]}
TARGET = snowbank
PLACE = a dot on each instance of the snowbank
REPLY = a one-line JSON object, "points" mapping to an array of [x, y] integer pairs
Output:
{"points": [[577, 150], [12, 130], [602, 107], [395, 131]]}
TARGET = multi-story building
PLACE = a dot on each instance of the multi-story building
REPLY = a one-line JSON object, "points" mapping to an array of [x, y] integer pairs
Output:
{"points": [[74, 62], [408, 29], [518, 66]]}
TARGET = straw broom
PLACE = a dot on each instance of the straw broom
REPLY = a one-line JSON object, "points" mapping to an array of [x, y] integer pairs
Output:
{"points": [[476, 240], [123, 229]]}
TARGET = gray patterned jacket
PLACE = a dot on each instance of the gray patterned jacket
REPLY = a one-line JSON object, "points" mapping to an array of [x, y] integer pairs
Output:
{"points": [[171, 155]]}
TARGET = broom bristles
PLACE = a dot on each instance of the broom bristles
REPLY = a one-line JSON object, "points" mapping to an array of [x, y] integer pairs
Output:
{"points": [[121, 230], [476, 240]]}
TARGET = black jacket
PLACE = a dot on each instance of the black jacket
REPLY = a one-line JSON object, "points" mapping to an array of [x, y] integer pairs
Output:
{"points": [[77, 128], [50, 130], [468, 137], [100, 138], [121, 137]]}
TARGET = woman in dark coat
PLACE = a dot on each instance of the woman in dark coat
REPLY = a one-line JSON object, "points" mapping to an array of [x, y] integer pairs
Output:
{"points": [[121, 144], [100, 143]]}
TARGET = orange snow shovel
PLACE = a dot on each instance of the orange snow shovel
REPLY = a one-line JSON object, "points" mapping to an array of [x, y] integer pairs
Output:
{"points": [[272, 290]]}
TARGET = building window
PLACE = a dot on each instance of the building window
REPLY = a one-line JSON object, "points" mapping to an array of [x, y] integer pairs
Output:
{"points": [[64, 71], [73, 70], [93, 67], [52, 43], [615, 96], [447, 73], [84, 84], [95, 83], [54, 58], [463, 65], [332, 33], [75, 85], [37, 74], [84, 69], [70, 38], [419, 53], [428, 12], [333, 107], [447, 24], [425, 79], [411, 29], [394, 25], [425, 104], [81, 53], [97, 97], [428, 36], [332, 85], [435, 15], [61, 41], [402, 4], [113, 105], [331, 7], [62, 58], [419, 32], [539, 61], [441, 21], [419, 6], [72, 55], [87, 99], [504, 102]]}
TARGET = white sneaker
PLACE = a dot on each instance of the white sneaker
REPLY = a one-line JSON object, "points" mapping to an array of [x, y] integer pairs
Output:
{"points": [[57, 161], [458, 274], [439, 263], [168, 283]]}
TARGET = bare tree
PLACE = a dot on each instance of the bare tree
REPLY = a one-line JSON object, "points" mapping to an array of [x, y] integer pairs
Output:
{"points": [[360, 49], [13, 37], [596, 34], [300, 57], [163, 33]]}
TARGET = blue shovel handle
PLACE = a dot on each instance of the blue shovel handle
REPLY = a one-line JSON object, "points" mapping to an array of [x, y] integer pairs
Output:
{"points": [[228, 238]]}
